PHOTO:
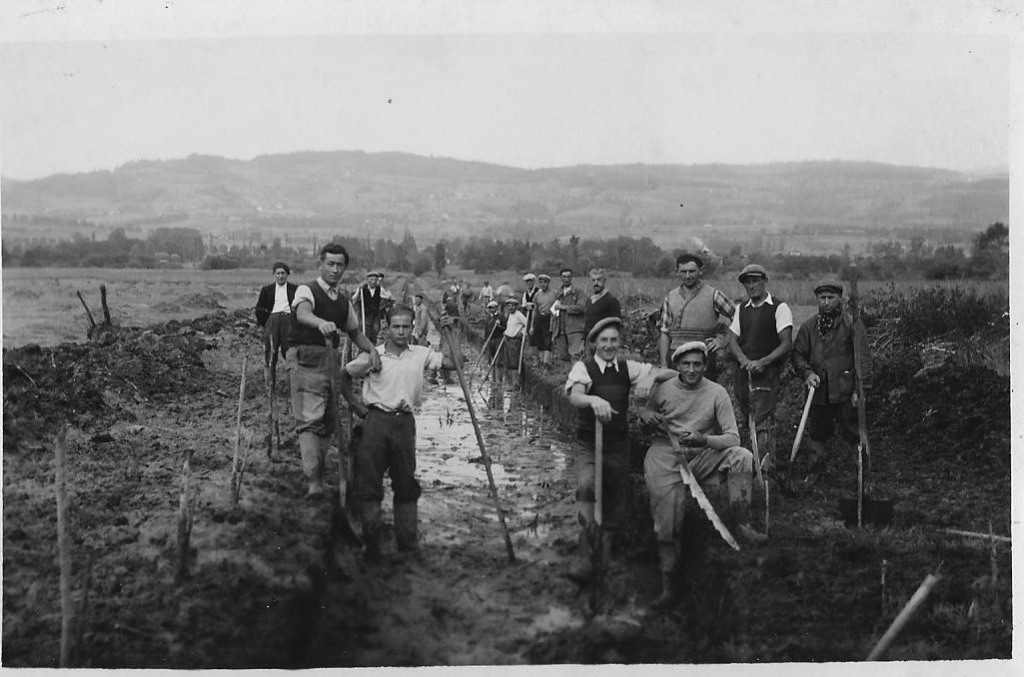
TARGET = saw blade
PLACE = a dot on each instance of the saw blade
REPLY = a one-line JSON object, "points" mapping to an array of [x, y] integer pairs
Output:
{"points": [[698, 493]]}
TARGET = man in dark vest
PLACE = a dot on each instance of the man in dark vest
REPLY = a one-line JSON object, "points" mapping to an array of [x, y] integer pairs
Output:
{"points": [[693, 312], [601, 304], [599, 387], [761, 337], [273, 309], [372, 301], [321, 312]]}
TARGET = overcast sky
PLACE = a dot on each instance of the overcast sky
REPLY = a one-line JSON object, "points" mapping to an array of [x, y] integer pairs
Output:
{"points": [[650, 89]]}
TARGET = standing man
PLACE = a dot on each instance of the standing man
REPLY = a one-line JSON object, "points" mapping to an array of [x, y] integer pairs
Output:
{"points": [[273, 309], [373, 300], [600, 304], [761, 336], [527, 306], [494, 327], [467, 296], [486, 293], [598, 386], [699, 414], [567, 319], [515, 331], [540, 337], [391, 393], [823, 358], [420, 321], [693, 312], [320, 313]]}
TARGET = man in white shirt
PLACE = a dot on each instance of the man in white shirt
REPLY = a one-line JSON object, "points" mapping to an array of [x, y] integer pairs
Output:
{"points": [[761, 338], [272, 310], [390, 396], [515, 331]]}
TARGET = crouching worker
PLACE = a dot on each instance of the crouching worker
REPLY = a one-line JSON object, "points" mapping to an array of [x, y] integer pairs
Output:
{"points": [[390, 396], [699, 414], [320, 313], [599, 387]]}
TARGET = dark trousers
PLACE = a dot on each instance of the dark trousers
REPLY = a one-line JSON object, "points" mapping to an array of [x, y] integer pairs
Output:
{"points": [[389, 444], [275, 337]]}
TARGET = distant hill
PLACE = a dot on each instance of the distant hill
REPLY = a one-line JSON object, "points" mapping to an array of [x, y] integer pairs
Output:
{"points": [[440, 197]]}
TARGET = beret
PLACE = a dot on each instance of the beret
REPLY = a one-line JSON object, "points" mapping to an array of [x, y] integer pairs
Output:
{"points": [[601, 325], [689, 346]]}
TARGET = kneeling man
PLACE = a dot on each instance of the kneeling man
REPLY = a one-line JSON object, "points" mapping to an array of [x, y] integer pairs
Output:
{"points": [[699, 414]]}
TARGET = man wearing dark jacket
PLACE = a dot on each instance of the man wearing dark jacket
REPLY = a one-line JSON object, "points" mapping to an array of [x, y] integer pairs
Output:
{"points": [[272, 313], [823, 358]]}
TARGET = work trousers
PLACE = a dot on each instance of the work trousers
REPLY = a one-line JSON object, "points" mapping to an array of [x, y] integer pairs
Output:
{"points": [[275, 337], [615, 484], [569, 346], [314, 403], [765, 396], [388, 445], [666, 489]]}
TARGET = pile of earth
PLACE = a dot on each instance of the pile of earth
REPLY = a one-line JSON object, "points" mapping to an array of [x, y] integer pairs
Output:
{"points": [[85, 384], [211, 300]]}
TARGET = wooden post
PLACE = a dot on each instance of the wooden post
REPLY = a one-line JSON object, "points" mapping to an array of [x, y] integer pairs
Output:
{"points": [[92, 322], [904, 616], [60, 448], [186, 503], [238, 433], [103, 303]]}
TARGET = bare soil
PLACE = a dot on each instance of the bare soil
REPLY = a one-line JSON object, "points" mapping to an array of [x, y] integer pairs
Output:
{"points": [[272, 584]]}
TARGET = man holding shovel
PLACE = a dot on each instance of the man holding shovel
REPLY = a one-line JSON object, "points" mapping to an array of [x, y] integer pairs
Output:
{"points": [[321, 313], [698, 413], [390, 395], [823, 356], [599, 387]]}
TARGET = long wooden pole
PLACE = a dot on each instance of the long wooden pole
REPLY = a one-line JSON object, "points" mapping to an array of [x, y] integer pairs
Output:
{"points": [[598, 553], [904, 616], [864, 448], [238, 431], [482, 350], [92, 322], [522, 347], [752, 424], [803, 424], [60, 448], [497, 354]]}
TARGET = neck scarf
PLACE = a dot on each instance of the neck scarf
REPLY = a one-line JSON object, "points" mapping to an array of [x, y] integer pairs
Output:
{"points": [[826, 322]]}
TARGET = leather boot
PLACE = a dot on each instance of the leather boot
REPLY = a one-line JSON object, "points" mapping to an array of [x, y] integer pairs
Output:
{"points": [[583, 571], [405, 527], [738, 485], [371, 531], [667, 563], [311, 450]]}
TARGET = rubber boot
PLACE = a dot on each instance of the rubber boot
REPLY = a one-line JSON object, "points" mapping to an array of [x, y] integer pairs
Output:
{"points": [[406, 534], [371, 531], [739, 504], [311, 450], [667, 564], [815, 460], [583, 572]]}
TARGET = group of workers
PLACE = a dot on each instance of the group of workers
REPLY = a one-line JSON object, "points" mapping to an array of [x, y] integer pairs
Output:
{"points": [[692, 414]]}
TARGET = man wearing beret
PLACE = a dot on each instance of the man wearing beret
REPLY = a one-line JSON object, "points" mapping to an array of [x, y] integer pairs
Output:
{"points": [[823, 358], [699, 414], [599, 386], [691, 312], [567, 319], [761, 337], [373, 301], [272, 313]]}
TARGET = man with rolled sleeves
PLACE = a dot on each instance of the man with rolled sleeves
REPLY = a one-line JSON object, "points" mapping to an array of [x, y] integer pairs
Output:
{"points": [[515, 333], [693, 312], [599, 387], [391, 394], [273, 310], [567, 319], [823, 358], [699, 414], [373, 300], [761, 337], [320, 313], [540, 334]]}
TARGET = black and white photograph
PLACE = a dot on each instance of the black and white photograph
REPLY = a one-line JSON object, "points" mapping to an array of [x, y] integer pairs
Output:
{"points": [[564, 336]]}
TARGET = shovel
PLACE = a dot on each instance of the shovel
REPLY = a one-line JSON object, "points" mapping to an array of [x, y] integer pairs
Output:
{"points": [[598, 548], [876, 511], [347, 522]]}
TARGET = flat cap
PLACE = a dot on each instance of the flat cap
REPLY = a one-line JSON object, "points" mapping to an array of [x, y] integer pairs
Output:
{"points": [[689, 346], [544, 276], [513, 300], [528, 277], [375, 272], [753, 269], [602, 325], [492, 304], [829, 284]]}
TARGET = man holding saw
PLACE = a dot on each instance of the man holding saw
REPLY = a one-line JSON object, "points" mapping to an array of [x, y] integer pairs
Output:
{"points": [[696, 413]]}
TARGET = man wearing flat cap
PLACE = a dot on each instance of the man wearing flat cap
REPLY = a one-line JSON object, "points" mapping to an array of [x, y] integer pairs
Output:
{"points": [[823, 358], [372, 301], [761, 337], [494, 327], [567, 318], [699, 414], [694, 311], [273, 310], [599, 387]]}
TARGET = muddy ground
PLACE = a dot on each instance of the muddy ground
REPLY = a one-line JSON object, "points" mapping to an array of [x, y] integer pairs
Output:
{"points": [[271, 584]]}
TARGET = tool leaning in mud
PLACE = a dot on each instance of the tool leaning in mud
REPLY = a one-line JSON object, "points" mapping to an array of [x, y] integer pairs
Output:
{"points": [[456, 351], [348, 523], [598, 549], [702, 500]]}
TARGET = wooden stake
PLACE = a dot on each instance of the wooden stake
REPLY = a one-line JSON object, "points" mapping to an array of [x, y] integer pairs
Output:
{"points": [[83, 609], [60, 448], [904, 616], [92, 322], [103, 303], [238, 432], [976, 534], [186, 504]]}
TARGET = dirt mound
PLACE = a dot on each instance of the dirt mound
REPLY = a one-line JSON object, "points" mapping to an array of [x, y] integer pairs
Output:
{"points": [[211, 300]]}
